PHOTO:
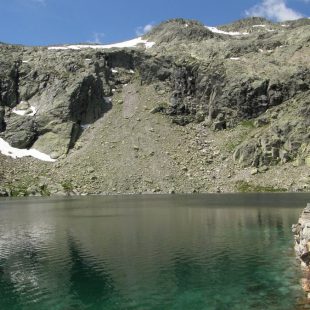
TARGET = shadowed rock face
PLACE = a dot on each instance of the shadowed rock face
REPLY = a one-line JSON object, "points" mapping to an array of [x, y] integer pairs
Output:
{"points": [[66, 90], [218, 79]]}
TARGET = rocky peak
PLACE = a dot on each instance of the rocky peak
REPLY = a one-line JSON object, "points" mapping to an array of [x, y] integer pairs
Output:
{"points": [[179, 30], [246, 23], [298, 23]]}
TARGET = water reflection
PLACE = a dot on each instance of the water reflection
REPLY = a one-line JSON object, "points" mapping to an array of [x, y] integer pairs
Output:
{"points": [[88, 278], [203, 252]]}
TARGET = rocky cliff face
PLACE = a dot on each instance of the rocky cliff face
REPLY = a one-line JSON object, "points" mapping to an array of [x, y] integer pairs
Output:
{"points": [[245, 84], [68, 91]]}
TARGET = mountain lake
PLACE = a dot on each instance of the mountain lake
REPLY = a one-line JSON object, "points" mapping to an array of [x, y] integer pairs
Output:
{"points": [[140, 252]]}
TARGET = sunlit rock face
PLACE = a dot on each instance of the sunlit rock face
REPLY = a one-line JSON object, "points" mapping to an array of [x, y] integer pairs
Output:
{"points": [[252, 73], [225, 74]]}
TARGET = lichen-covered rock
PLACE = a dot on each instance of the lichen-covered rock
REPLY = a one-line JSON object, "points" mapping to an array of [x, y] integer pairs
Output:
{"points": [[280, 139], [20, 131], [66, 90]]}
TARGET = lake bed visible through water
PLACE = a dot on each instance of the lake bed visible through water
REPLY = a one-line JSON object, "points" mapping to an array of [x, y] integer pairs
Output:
{"points": [[226, 251]]}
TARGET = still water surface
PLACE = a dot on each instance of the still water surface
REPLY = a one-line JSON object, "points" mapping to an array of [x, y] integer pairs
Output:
{"points": [[150, 252]]}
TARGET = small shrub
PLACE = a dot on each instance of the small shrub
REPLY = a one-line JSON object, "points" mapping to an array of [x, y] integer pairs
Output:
{"points": [[44, 190], [231, 146], [246, 187], [67, 186], [18, 190]]}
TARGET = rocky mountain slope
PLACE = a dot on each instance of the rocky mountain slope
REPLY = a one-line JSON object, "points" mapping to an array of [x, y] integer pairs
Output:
{"points": [[186, 108]]}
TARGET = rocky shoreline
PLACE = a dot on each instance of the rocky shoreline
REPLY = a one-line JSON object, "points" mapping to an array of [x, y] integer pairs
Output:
{"points": [[301, 232]]}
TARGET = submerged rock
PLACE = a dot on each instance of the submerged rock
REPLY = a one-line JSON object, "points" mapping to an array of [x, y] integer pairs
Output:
{"points": [[3, 192]]}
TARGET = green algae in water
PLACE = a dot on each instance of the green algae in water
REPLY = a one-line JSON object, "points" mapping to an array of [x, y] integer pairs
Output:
{"points": [[154, 252]]}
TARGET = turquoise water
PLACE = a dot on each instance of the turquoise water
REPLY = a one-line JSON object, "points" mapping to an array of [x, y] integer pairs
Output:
{"points": [[150, 252]]}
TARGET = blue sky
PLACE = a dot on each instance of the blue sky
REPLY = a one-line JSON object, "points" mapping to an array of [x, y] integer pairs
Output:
{"points": [[43, 22]]}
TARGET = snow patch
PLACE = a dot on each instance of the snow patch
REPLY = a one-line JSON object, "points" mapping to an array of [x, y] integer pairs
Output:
{"points": [[131, 71], [234, 58], [262, 26], [230, 33], [24, 112], [114, 70], [85, 126], [267, 51], [131, 43], [108, 99], [8, 150]]}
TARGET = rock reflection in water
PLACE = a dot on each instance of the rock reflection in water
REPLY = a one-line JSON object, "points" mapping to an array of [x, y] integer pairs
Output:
{"points": [[162, 252]]}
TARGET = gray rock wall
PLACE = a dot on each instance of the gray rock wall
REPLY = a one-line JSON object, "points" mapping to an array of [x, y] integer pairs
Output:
{"points": [[217, 79]]}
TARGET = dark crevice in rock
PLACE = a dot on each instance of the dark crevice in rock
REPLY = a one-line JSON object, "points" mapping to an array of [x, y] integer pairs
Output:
{"points": [[75, 134], [122, 58], [16, 83]]}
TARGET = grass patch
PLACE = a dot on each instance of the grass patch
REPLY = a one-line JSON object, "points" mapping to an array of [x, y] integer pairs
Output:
{"points": [[67, 186], [246, 187], [18, 190], [26, 189], [231, 146], [247, 123], [244, 128]]}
